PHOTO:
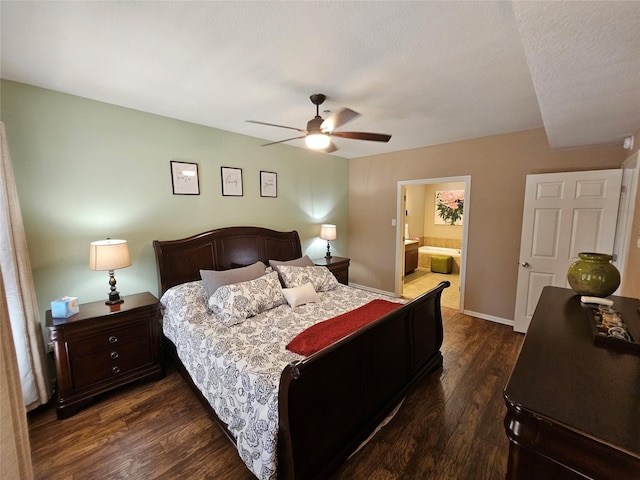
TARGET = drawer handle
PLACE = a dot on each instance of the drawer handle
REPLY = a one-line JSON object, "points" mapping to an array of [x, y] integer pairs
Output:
{"points": [[114, 355], [115, 369], [113, 339]]}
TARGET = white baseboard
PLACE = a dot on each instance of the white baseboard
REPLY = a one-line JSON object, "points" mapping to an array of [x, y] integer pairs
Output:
{"points": [[482, 316], [374, 290], [491, 318]]}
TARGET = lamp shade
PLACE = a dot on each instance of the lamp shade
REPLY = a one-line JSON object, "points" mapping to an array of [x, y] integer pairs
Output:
{"points": [[109, 254], [328, 232]]}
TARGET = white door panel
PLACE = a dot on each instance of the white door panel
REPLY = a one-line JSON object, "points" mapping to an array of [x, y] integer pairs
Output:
{"points": [[564, 214]]}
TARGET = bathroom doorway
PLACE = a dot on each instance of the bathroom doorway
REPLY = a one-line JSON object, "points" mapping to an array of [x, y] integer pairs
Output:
{"points": [[432, 234]]}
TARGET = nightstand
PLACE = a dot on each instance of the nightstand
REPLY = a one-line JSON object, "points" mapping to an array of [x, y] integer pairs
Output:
{"points": [[103, 347], [339, 266]]}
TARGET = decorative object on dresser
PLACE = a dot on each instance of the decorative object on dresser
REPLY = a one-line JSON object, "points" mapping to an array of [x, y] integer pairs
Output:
{"points": [[104, 347], [362, 377], [594, 275], [339, 266], [328, 232], [572, 402], [110, 255]]}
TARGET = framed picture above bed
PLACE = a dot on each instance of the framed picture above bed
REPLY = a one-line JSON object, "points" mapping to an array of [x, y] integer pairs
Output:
{"points": [[268, 184], [184, 178], [231, 181]]}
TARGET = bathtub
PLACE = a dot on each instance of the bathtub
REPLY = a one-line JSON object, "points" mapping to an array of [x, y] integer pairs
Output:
{"points": [[425, 252]]}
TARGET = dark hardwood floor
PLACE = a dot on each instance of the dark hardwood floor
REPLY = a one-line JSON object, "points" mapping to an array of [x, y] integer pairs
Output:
{"points": [[449, 427]]}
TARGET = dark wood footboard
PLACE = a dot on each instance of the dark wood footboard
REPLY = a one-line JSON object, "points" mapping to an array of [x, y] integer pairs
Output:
{"points": [[331, 401]]}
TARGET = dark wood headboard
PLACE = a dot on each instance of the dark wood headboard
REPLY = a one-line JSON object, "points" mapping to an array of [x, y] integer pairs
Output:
{"points": [[180, 261]]}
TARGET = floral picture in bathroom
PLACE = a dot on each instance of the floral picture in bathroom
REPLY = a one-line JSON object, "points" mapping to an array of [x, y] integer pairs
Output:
{"points": [[449, 207]]}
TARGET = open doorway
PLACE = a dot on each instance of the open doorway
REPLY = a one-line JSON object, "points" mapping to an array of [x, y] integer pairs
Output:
{"points": [[432, 237]]}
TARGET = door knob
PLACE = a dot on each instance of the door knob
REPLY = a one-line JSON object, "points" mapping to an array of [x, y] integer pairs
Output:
{"points": [[525, 264]]}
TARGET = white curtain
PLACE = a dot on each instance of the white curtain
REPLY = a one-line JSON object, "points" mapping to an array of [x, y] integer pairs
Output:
{"points": [[19, 290], [15, 451]]}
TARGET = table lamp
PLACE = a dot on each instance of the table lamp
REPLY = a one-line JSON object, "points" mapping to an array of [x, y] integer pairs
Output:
{"points": [[110, 255], [328, 232]]}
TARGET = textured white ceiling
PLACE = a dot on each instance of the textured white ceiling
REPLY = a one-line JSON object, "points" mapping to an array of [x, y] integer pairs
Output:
{"points": [[425, 72]]}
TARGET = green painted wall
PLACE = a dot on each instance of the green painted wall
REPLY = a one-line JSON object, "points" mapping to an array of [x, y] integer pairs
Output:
{"points": [[87, 170]]}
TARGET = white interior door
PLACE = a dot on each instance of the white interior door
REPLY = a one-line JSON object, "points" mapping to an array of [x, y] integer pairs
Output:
{"points": [[564, 214]]}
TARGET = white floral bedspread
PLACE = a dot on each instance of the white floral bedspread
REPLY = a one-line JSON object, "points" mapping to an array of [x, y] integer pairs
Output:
{"points": [[238, 368]]}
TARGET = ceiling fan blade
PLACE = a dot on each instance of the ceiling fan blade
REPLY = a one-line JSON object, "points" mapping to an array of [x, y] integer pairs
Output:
{"points": [[274, 125], [337, 119], [280, 141], [374, 137]]}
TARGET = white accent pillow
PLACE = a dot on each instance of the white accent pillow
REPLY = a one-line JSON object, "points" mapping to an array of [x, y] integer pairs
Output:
{"points": [[321, 278], [301, 295], [232, 304]]}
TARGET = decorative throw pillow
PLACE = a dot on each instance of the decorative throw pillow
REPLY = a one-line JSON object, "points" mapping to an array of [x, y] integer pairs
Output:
{"points": [[321, 278], [232, 304], [213, 279], [300, 295], [296, 262]]}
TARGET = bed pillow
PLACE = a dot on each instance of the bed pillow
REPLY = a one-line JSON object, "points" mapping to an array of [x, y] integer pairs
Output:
{"points": [[301, 295], [321, 278], [213, 279], [297, 262], [232, 304]]}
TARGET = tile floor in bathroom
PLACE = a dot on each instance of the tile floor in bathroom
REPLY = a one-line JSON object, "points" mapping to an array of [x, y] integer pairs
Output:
{"points": [[422, 279]]}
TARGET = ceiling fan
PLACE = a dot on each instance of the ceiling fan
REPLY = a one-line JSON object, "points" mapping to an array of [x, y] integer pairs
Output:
{"points": [[319, 131]]}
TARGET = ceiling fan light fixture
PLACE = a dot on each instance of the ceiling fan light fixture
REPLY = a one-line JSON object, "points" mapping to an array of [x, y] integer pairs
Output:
{"points": [[317, 141]]}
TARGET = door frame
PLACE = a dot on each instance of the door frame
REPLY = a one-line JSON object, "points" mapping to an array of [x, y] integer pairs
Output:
{"points": [[399, 224], [623, 240]]}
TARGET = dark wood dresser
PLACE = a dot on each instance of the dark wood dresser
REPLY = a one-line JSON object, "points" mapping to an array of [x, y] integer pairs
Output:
{"points": [[103, 347], [573, 406], [339, 266]]}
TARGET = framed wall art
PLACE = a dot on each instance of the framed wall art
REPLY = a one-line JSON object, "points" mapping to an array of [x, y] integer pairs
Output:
{"points": [[449, 207], [184, 178], [268, 184], [231, 181]]}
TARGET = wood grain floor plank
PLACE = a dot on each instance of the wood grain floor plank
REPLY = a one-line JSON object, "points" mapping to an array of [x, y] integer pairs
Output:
{"points": [[448, 427]]}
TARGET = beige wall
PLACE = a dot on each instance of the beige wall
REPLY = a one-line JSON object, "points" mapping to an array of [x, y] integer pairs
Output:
{"points": [[498, 166], [415, 196]]}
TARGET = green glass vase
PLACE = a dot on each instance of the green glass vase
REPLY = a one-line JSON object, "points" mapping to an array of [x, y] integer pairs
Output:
{"points": [[594, 275]]}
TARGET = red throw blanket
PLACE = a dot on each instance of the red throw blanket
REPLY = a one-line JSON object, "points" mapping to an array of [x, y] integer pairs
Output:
{"points": [[318, 336]]}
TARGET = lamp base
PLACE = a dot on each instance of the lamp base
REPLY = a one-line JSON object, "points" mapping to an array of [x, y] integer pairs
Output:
{"points": [[114, 299], [114, 295], [328, 254]]}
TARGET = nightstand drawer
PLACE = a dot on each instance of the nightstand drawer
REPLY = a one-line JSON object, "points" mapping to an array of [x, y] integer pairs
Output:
{"points": [[110, 363], [108, 339]]}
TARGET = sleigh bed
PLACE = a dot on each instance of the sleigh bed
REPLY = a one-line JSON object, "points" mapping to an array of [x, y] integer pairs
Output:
{"points": [[321, 407]]}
